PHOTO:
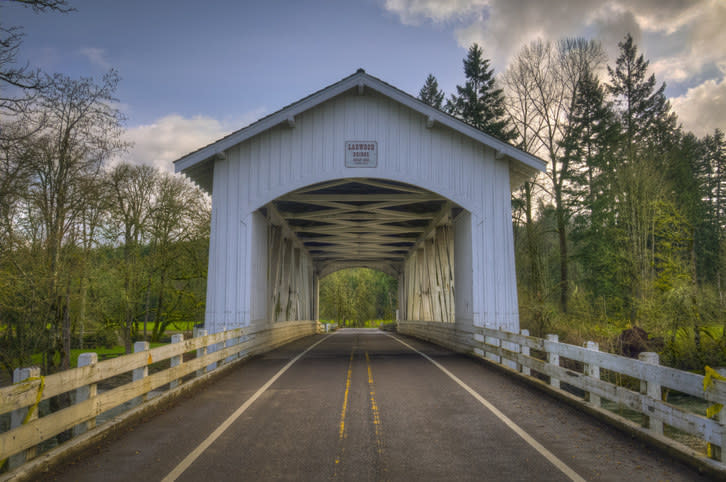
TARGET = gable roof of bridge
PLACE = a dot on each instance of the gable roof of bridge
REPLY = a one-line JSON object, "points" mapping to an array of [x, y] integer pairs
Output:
{"points": [[360, 80]]}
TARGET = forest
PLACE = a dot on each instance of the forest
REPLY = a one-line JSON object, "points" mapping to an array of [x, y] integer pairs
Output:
{"points": [[624, 230], [358, 297], [94, 249]]}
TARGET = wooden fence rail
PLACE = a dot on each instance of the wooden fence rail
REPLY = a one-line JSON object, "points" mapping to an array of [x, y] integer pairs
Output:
{"points": [[592, 374], [21, 400]]}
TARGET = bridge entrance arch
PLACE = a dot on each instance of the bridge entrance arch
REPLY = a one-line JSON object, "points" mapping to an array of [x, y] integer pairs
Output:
{"points": [[360, 174], [402, 230]]}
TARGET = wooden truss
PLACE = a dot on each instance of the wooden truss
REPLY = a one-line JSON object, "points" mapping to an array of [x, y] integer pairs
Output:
{"points": [[360, 222]]}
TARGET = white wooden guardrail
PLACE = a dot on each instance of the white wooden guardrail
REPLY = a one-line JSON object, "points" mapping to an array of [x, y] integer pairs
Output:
{"points": [[22, 399], [644, 394]]}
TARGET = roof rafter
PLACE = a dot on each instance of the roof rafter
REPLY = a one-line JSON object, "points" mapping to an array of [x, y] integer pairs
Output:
{"points": [[361, 221]]}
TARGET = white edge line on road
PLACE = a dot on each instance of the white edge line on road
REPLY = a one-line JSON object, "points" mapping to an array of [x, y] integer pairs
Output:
{"points": [[194, 454], [507, 421]]}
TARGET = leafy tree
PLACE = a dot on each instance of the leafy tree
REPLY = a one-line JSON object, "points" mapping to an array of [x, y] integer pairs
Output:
{"points": [[354, 296], [544, 79], [522, 112], [22, 302], [132, 189], [179, 217], [64, 155], [479, 102], [644, 176], [63, 270], [430, 92]]}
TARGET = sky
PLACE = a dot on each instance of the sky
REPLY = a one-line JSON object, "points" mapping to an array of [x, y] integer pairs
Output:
{"points": [[195, 71]]}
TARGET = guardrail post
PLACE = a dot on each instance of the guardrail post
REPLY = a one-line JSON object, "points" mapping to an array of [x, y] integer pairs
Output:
{"points": [[652, 390], [509, 346], [175, 361], [718, 452], [494, 342], [226, 344], [514, 347], [85, 392], [244, 337], [524, 350], [201, 351], [141, 372], [18, 417], [553, 359], [592, 371]]}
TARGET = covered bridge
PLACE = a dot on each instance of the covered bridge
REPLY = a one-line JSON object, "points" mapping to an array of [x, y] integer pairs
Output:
{"points": [[360, 174]]}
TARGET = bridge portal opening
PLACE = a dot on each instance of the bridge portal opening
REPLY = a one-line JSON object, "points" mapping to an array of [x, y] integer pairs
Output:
{"points": [[358, 297], [402, 230]]}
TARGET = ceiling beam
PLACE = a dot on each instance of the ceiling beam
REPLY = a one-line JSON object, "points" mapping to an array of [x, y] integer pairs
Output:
{"points": [[324, 198], [357, 238], [384, 185], [323, 185], [333, 229]]}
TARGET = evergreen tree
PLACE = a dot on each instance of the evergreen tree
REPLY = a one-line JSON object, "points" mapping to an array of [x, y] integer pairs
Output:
{"points": [[712, 173], [714, 170], [430, 92], [479, 102], [688, 173], [644, 110], [592, 130]]}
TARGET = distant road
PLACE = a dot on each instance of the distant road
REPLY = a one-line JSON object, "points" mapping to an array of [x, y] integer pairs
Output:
{"points": [[366, 405]]}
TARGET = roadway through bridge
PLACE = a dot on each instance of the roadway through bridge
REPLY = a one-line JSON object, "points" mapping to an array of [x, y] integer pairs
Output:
{"points": [[368, 405]]}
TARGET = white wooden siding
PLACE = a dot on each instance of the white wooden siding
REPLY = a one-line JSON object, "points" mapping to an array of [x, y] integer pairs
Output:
{"points": [[283, 159]]}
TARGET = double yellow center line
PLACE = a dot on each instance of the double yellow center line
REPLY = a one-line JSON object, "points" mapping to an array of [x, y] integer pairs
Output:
{"points": [[374, 408], [342, 432]]}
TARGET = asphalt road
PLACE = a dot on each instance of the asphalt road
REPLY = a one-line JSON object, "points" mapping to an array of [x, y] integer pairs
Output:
{"points": [[362, 405]]}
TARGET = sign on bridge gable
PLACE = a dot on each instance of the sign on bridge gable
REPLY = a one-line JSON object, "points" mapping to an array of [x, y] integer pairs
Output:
{"points": [[361, 154]]}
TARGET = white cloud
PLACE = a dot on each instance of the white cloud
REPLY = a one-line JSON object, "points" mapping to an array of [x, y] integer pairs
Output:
{"points": [[704, 43], [509, 24], [96, 56], [703, 108], [503, 26], [170, 137], [611, 24], [684, 40], [413, 12]]}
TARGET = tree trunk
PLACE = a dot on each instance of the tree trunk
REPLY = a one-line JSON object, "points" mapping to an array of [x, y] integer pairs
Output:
{"points": [[66, 340], [532, 243], [147, 310], [83, 292], [158, 331], [128, 315], [564, 279], [562, 235]]}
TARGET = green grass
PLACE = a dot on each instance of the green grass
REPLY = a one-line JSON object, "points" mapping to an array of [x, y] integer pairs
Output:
{"points": [[365, 324], [174, 326], [103, 353]]}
